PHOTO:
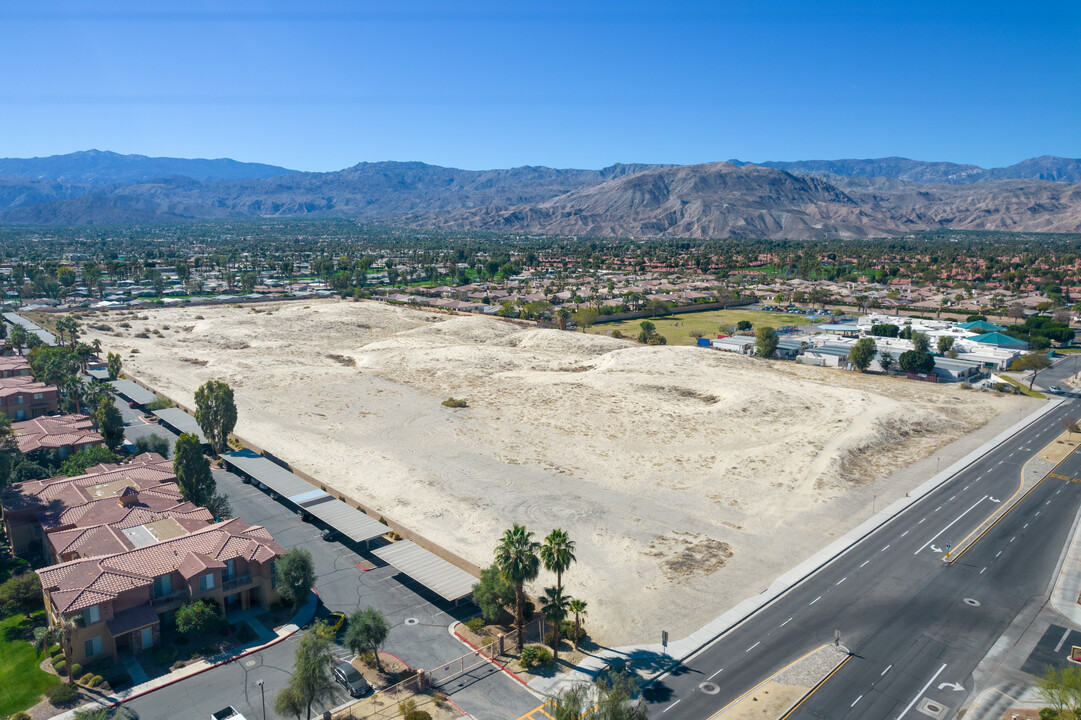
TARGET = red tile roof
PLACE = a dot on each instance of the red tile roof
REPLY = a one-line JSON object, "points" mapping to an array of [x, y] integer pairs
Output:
{"points": [[142, 471], [55, 432]]}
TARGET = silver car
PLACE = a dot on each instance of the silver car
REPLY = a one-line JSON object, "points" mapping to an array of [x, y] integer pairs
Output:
{"points": [[350, 678]]}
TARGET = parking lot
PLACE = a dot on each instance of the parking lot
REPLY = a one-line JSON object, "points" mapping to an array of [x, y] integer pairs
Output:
{"points": [[419, 622]]}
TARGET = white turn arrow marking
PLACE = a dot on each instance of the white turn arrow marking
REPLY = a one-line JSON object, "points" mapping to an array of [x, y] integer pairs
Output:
{"points": [[952, 686], [994, 500], [934, 549]]}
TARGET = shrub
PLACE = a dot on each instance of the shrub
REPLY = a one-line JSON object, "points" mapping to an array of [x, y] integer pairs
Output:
{"points": [[452, 402], [85, 679], [407, 706], [95, 681], [418, 715], [617, 334], [142, 335], [528, 610], [76, 670], [535, 656], [475, 624], [567, 631], [20, 591], [60, 665], [53, 650], [19, 716], [63, 695], [195, 617]]}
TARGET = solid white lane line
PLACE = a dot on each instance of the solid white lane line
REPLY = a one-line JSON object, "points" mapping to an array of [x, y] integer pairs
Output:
{"points": [[786, 622], [715, 674], [816, 600], [752, 647], [966, 512], [886, 670], [1062, 640], [855, 701], [842, 580], [921, 692], [904, 533], [671, 706], [865, 562]]}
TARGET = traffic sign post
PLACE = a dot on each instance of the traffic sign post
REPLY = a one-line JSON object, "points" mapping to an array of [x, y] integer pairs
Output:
{"points": [[664, 641]]}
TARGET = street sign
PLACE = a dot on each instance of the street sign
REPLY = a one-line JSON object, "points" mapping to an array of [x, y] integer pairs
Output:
{"points": [[664, 639]]}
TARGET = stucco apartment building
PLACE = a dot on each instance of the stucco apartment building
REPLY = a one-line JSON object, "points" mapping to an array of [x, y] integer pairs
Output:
{"points": [[64, 434], [22, 397], [13, 366], [121, 600]]}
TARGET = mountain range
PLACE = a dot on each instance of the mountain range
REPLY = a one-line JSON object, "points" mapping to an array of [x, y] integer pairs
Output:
{"points": [[803, 199]]}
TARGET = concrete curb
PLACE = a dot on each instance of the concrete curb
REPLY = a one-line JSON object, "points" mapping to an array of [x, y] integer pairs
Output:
{"points": [[491, 661], [685, 648]]}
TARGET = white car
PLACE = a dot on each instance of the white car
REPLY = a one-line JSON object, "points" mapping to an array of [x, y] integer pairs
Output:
{"points": [[228, 713], [1055, 389]]}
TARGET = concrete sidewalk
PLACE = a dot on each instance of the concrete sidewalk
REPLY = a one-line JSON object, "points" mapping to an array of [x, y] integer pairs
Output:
{"points": [[304, 616], [681, 649]]}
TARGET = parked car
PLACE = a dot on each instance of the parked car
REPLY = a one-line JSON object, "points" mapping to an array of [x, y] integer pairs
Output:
{"points": [[334, 621], [329, 535], [350, 678], [1055, 389], [228, 713]]}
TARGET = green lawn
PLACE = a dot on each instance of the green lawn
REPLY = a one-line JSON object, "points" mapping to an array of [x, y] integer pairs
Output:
{"points": [[705, 322], [1023, 387], [22, 682]]}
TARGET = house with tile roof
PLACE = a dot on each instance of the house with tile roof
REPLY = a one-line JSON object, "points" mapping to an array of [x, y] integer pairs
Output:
{"points": [[36, 507], [14, 366], [22, 397], [121, 600], [64, 434]]}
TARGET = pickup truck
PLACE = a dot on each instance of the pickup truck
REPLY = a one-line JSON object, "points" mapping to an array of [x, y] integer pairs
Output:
{"points": [[229, 713]]}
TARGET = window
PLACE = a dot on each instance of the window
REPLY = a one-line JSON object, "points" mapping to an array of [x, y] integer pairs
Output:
{"points": [[20, 414], [91, 615], [38, 396], [163, 585], [147, 639], [206, 582], [20, 399], [92, 646], [230, 570]]}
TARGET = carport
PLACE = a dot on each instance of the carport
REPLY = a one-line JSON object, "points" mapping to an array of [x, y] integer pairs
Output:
{"points": [[179, 422], [433, 572], [128, 390], [334, 513]]}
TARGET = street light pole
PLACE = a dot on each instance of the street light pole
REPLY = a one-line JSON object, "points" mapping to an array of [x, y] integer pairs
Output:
{"points": [[262, 694]]}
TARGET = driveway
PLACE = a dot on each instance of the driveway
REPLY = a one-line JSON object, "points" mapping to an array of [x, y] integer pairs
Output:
{"points": [[419, 623]]}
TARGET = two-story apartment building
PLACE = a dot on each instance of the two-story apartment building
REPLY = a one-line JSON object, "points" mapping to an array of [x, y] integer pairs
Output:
{"points": [[14, 366], [22, 397], [64, 434], [59, 503], [120, 601]]}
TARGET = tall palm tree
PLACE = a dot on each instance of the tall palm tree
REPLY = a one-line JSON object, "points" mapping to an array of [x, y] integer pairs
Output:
{"points": [[18, 338], [557, 554], [516, 558], [554, 607], [563, 316], [60, 632], [578, 607]]}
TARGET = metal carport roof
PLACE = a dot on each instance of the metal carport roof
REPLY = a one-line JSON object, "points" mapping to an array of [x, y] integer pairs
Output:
{"points": [[354, 524], [177, 418], [138, 395], [433, 572], [272, 475]]}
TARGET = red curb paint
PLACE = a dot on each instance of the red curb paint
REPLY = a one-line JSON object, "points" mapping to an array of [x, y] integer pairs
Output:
{"points": [[403, 662], [493, 662]]}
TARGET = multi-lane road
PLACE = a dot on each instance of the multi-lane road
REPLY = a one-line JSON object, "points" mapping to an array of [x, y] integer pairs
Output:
{"points": [[915, 625]]}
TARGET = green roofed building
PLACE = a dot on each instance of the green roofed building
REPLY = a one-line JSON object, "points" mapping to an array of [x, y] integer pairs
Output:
{"points": [[981, 326], [999, 340]]}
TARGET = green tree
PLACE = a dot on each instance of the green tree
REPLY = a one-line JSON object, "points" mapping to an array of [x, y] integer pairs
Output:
{"points": [[310, 681], [296, 575], [885, 359], [765, 341], [153, 444], [554, 608], [58, 633], [885, 330], [615, 699], [563, 316], [914, 361], [110, 424], [585, 317], [10, 455], [648, 330], [492, 593], [1034, 361], [557, 554], [367, 631], [18, 338], [193, 475], [743, 325], [196, 617], [944, 344], [113, 363], [570, 704], [516, 558], [578, 607], [215, 412], [920, 342], [862, 353], [80, 461]]}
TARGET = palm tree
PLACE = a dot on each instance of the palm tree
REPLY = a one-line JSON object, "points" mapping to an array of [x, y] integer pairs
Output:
{"points": [[563, 315], [554, 607], [96, 346], [60, 632], [84, 351], [516, 558], [578, 607], [557, 554], [18, 338]]}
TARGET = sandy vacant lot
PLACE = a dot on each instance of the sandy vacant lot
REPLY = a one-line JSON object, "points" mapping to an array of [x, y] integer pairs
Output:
{"points": [[689, 478]]}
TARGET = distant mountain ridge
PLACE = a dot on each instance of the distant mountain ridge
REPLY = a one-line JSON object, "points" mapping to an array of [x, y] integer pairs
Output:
{"points": [[101, 167], [1047, 167], [814, 199]]}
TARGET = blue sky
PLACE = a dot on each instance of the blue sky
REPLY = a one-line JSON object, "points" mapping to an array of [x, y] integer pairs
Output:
{"points": [[324, 85]]}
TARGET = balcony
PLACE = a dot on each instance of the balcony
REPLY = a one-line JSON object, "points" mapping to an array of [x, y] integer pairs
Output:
{"points": [[169, 599], [237, 582]]}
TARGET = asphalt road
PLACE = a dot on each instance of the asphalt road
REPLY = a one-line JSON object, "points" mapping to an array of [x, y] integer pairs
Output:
{"points": [[912, 622], [419, 622]]}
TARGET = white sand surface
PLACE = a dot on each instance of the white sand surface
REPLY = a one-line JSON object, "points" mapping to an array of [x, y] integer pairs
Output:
{"points": [[689, 478]]}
